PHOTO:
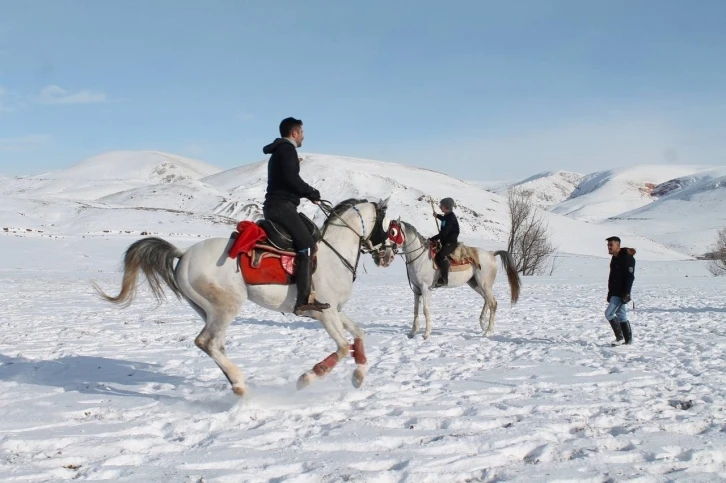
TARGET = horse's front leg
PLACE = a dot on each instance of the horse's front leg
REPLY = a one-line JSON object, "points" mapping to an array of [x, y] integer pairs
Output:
{"points": [[332, 324], [416, 305], [357, 348], [426, 295]]}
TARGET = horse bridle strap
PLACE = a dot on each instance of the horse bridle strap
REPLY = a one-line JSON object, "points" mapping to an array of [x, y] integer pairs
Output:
{"points": [[325, 205]]}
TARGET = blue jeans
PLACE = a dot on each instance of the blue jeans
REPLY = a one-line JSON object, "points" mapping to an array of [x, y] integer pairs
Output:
{"points": [[616, 309]]}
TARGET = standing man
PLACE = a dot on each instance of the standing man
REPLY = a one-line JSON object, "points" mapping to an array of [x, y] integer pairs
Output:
{"points": [[449, 237], [284, 190], [622, 275]]}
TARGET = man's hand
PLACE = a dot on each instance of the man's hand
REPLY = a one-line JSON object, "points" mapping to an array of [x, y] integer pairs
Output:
{"points": [[626, 298], [315, 196]]}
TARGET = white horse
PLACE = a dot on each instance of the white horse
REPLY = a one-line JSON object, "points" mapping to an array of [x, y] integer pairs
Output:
{"points": [[211, 282], [479, 274]]}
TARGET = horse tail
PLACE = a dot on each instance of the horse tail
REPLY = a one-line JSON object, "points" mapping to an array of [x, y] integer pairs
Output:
{"points": [[515, 283], [153, 256]]}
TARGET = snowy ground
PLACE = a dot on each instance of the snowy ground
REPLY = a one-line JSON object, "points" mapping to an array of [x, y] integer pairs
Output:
{"points": [[91, 392]]}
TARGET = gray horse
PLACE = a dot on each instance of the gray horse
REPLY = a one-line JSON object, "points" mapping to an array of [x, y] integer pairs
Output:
{"points": [[479, 274]]}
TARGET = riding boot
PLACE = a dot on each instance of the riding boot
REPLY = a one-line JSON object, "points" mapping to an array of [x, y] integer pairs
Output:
{"points": [[627, 333], [615, 324], [444, 270], [303, 280]]}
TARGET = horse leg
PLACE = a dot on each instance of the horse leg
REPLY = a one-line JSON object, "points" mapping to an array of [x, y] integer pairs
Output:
{"points": [[486, 285], [416, 305], [332, 324], [426, 295], [482, 317], [218, 307], [357, 348]]}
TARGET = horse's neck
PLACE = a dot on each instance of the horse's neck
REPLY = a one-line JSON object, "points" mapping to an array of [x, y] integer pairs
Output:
{"points": [[342, 237], [414, 245]]}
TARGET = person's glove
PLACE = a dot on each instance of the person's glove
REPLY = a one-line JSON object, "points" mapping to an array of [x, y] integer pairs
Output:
{"points": [[626, 298], [314, 196]]}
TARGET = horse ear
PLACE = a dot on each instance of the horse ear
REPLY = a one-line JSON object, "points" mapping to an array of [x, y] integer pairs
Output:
{"points": [[384, 203], [399, 218]]}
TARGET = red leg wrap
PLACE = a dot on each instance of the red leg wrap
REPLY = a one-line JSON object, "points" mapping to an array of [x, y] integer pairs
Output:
{"points": [[359, 353], [324, 366]]}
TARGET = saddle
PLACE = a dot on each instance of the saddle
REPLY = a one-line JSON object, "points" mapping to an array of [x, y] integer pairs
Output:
{"points": [[265, 251], [461, 259]]}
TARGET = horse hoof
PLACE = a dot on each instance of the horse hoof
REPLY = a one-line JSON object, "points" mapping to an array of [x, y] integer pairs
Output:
{"points": [[305, 380], [411, 335], [357, 379], [239, 390], [426, 336]]}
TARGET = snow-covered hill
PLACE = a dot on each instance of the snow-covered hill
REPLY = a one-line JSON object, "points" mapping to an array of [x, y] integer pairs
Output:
{"points": [[602, 195], [108, 173], [687, 215], [193, 205], [548, 188], [608, 193]]}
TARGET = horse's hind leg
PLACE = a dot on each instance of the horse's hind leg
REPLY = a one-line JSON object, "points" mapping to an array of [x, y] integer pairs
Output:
{"points": [[221, 307], [482, 317], [486, 283], [416, 306], [357, 348], [333, 325]]}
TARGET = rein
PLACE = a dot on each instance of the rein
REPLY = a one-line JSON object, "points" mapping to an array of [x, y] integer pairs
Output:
{"points": [[328, 209]]}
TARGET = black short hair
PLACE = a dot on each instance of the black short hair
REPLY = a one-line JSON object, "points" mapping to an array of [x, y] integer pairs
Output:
{"points": [[613, 238], [288, 125]]}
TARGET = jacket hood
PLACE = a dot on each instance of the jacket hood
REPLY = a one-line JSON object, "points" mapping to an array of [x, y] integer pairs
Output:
{"points": [[629, 251], [272, 147]]}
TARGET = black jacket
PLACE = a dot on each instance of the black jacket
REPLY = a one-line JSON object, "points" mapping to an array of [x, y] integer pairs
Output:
{"points": [[283, 175], [622, 273], [449, 232]]}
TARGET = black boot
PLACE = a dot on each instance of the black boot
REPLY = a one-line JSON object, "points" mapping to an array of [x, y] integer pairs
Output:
{"points": [[615, 324], [303, 279], [444, 272], [627, 333]]}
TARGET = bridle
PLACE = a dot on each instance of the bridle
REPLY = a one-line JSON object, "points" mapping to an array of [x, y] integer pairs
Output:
{"points": [[365, 243], [396, 237]]}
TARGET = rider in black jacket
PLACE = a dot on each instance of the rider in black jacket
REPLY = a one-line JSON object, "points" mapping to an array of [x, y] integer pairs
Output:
{"points": [[449, 237], [284, 190]]}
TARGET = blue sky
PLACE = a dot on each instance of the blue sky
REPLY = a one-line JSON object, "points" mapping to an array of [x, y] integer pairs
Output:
{"points": [[482, 90]]}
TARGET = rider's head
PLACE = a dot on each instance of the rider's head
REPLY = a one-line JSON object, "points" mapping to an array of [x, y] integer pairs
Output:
{"points": [[447, 205], [292, 128]]}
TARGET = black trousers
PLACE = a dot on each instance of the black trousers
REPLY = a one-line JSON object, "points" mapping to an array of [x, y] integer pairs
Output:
{"points": [[445, 251], [285, 214]]}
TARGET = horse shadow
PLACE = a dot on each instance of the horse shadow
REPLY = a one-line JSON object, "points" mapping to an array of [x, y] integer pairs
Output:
{"points": [[95, 376]]}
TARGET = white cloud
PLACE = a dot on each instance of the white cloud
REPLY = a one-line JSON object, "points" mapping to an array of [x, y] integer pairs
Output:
{"points": [[24, 143], [57, 95]]}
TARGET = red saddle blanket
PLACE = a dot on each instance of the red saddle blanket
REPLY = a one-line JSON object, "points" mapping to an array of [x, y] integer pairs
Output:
{"points": [[259, 262]]}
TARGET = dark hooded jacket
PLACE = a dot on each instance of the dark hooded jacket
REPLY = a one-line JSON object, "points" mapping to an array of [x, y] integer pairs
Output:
{"points": [[449, 229], [622, 273], [283, 175]]}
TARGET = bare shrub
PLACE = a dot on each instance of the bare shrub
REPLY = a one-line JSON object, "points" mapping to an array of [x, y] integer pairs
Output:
{"points": [[717, 264], [529, 241]]}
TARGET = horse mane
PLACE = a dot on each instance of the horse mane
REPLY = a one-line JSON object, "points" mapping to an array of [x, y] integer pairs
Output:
{"points": [[421, 238], [342, 207]]}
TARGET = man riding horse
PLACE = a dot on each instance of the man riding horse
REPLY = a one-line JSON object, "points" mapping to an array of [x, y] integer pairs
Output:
{"points": [[449, 238], [285, 187]]}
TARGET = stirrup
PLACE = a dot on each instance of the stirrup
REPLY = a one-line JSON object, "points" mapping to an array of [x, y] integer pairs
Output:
{"points": [[314, 306]]}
